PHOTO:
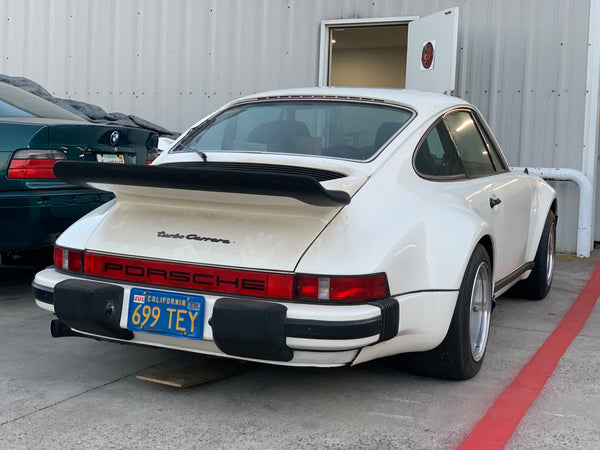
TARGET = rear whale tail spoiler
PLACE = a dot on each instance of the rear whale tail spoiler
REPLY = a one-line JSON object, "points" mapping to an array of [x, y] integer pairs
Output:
{"points": [[301, 187]]}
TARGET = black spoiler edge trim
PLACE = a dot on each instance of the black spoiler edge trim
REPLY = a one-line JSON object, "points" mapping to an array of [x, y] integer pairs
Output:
{"points": [[301, 187]]}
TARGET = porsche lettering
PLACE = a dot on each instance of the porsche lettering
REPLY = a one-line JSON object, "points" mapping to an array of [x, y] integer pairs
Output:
{"points": [[152, 275]]}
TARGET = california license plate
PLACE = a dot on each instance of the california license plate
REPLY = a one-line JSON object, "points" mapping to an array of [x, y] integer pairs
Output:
{"points": [[162, 312], [110, 158]]}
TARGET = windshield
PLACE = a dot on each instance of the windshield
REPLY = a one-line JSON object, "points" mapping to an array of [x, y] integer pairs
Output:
{"points": [[350, 130]]}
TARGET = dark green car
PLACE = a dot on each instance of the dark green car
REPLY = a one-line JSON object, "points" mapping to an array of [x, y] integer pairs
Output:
{"points": [[34, 133]]}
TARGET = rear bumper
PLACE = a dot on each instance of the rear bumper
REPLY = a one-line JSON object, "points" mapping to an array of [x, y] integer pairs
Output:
{"points": [[37, 217], [245, 328]]}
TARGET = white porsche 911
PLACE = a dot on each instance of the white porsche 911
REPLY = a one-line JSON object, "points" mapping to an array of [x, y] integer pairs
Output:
{"points": [[309, 227]]}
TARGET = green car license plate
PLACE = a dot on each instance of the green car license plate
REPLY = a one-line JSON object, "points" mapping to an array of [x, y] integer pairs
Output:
{"points": [[110, 158], [169, 313]]}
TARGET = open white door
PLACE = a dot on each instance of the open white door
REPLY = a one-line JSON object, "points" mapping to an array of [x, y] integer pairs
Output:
{"points": [[431, 54]]}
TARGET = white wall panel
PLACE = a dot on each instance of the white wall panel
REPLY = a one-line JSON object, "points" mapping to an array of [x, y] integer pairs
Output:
{"points": [[523, 63], [172, 61]]}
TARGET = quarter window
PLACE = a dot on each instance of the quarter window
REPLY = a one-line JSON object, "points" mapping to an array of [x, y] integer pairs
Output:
{"points": [[470, 144], [437, 156]]}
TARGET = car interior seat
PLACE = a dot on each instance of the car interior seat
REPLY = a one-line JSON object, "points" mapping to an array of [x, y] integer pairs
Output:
{"points": [[424, 162], [281, 135], [385, 131]]}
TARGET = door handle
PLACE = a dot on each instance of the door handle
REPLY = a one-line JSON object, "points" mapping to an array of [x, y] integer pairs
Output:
{"points": [[494, 202]]}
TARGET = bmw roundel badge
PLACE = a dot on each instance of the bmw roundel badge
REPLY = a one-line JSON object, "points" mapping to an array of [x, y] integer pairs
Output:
{"points": [[114, 138]]}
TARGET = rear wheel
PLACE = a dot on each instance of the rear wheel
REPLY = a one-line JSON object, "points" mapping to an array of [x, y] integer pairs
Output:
{"points": [[461, 353], [538, 284]]}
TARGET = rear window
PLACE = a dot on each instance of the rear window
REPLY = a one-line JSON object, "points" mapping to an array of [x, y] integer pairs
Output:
{"points": [[15, 102], [349, 130], [8, 110]]}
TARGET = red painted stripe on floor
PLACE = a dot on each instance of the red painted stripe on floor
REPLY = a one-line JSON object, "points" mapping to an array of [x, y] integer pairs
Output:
{"points": [[501, 420]]}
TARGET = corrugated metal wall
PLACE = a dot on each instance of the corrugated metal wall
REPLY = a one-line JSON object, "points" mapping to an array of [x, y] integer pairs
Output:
{"points": [[522, 62], [524, 66]]}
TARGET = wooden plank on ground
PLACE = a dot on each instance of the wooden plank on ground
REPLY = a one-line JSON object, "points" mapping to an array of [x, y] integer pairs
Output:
{"points": [[205, 372]]}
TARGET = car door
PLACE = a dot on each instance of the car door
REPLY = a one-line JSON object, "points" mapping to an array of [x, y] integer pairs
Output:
{"points": [[458, 151], [505, 199]]}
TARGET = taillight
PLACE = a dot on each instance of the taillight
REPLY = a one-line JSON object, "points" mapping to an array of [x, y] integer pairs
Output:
{"points": [[221, 280], [187, 276], [339, 288], [34, 163], [151, 155], [152, 151], [67, 259]]}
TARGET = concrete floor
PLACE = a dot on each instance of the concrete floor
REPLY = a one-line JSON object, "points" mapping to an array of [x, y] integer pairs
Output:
{"points": [[79, 393]]}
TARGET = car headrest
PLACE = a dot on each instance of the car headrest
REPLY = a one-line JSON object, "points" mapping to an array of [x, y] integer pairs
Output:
{"points": [[385, 131], [278, 132]]}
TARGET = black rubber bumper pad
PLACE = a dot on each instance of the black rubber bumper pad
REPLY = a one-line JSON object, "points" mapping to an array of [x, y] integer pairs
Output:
{"points": [[91, 307], [250, 329]]}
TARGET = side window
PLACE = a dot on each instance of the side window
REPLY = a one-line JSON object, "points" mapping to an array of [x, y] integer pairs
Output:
{"points": [[437, 156], [470, 144]]}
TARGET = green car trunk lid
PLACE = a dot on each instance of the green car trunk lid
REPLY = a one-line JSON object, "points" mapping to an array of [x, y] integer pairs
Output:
{"points": [[79, 141]]}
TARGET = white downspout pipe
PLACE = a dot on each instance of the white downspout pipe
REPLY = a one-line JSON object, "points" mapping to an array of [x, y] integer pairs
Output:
{"points": [[586, 202]]}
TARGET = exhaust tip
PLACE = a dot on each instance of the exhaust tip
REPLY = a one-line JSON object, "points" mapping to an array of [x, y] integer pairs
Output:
{"points": [[60, 329]]}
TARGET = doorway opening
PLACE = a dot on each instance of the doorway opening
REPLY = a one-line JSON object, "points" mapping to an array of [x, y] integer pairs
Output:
{"points": [[393, 52], [369, 56]]}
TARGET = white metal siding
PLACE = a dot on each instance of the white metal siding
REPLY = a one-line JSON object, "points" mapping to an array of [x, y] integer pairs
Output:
{"points": [[524, 66], [523, 63]]}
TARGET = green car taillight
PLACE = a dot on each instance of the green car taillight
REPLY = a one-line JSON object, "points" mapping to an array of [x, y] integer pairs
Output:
{"points": [[34, 163]]}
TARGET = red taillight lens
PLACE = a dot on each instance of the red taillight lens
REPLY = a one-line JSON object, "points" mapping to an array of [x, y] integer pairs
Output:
{"points": [[32, 163], [280, 286], [338, 288], [187, 276], [66, 259], [213, 279], [151, 156]]}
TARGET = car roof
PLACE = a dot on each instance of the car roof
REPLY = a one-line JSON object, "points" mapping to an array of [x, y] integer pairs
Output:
{"points": [[419, 101]]}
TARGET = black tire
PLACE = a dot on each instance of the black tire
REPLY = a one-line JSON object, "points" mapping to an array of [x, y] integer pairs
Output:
{"points": [[538, 284], [456, 358], [39, 259]]}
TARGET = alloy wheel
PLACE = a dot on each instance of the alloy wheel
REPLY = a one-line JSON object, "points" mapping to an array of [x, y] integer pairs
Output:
{"points": [[480, 311]]}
